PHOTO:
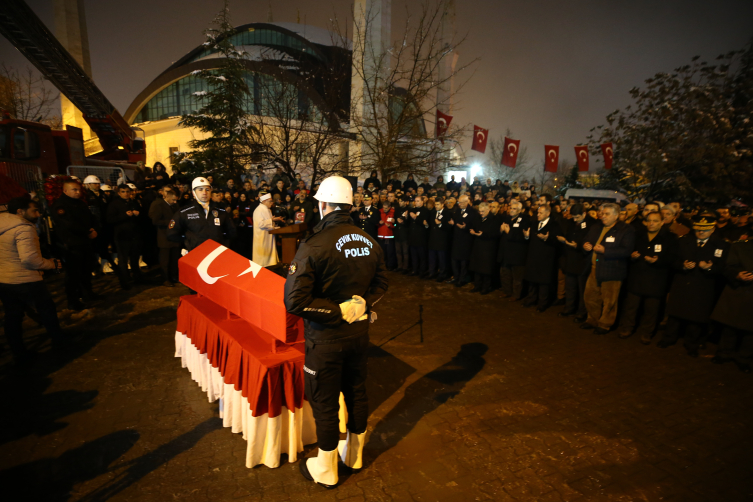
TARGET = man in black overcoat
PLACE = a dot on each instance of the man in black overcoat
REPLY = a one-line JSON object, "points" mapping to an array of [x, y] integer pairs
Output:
{"points": [[484, 253], [513, 250], [462, 240], [648, 277], [419, 236], [699, 265], [577, 266], [161, 213], [541, 270], [734, 308], [440, 233]]}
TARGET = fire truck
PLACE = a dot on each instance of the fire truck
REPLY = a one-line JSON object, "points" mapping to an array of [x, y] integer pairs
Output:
{"points": [[28, 150]]}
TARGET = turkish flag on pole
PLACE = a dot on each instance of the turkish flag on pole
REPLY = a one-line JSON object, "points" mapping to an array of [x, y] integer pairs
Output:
{"points": [[606, 149], [552, 158], [443, 123], [479, 139], [510, 155], [581, 153]]}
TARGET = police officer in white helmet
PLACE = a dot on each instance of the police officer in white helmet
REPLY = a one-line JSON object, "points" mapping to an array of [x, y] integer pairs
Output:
{"points": [[97, 201], [197, 222], [336, 277]]}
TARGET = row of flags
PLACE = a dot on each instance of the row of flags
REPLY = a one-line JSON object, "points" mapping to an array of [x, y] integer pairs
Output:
{"points": [[512, 148]]}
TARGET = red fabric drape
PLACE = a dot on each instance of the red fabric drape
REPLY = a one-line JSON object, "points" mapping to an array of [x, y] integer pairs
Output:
{"points": [[243, 355]]}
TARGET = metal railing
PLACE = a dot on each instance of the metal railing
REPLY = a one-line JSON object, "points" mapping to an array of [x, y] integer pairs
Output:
{"points": [[109, 175]]}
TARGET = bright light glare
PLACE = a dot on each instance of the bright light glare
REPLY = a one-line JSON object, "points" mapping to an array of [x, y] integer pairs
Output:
{"points": [[475, 171]]}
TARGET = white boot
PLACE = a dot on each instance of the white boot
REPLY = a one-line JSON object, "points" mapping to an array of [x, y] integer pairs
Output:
{"points": [[323, 468], [351, 450]]}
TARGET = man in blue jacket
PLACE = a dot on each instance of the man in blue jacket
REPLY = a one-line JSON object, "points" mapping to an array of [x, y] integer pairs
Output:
{"points": [[610, 244]]}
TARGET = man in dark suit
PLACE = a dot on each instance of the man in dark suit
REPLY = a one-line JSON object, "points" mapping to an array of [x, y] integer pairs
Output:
{"points": [[542, 258], [577, 266], [513, 250], [462, 240], [440, 232], [699, 265], [648, 277], [161, 213], [733, 309], [610, 243], [483, 263], [419, 236]]}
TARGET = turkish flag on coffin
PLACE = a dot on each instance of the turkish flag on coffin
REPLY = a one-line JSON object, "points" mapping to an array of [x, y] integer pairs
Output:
{"points": [[510, 154], [581, 153], [606, 149], [479, 139], [241, 286], [552, 158], [443, 123]]}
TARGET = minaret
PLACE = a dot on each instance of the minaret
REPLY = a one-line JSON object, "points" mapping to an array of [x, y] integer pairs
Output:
{"points": [[447, 65], [70, 30], [372, 28]]}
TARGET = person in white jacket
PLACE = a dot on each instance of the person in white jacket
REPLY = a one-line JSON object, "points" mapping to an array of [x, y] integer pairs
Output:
{"points": [[21, 280], [265, 251]]}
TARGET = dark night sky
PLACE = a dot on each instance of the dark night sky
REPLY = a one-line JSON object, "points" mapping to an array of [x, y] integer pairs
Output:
{"points": [[549, 70]]}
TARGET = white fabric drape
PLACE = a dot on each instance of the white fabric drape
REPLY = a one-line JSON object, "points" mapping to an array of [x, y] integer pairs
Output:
{"points": [[267, 438]]}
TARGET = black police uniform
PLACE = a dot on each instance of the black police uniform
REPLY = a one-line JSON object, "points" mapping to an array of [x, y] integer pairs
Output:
{"points": [[73, 221], [370, 221], [192, 225], [337, 261], [126, 236]]}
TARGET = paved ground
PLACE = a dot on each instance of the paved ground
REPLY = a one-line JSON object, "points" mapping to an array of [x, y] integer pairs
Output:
{"points": [[498, 403]]}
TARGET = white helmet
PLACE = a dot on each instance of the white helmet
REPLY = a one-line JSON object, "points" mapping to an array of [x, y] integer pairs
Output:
{"points": [[335, 189], [200, 182], [91, 179], [106, 188], [131, 186]]}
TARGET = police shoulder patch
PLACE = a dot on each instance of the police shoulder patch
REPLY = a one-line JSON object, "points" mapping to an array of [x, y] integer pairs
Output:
{"points": [[292, 268], [172, 224]]}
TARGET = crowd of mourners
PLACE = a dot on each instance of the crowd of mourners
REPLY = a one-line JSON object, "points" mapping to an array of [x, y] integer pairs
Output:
{"points": [[651, 269]]}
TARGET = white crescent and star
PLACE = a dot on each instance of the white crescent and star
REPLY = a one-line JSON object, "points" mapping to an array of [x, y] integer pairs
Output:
{"points": [[552, 154], [481, 133], [583, 154], [512, 148], [442, 121], [609, 151], [203, 268]]}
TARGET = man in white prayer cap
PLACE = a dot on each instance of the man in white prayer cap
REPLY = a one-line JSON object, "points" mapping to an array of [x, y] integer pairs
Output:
{"points": [[265, 251]]}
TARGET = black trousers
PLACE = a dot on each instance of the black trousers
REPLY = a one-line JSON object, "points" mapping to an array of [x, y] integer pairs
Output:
{"points": [[437, 262], [102, 248], [78, 273], [15, 299], [511, 279], [402, 252], [418, 258], [459, 270], [168, 262], [694, 332], [482, 281], [575, 286], [538, 293], [630, 306], [332, 368], [736, 344], [128, 252], [388, 248]]}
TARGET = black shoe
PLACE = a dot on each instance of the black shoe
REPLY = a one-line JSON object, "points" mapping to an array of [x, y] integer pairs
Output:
{"points": [[559, 302], [565, 313], [720, 360], [663, 344], [580, 319], [587, 325], [458, 284], [441, 278], [431, 277], [451, 280], [646, 340], [528, 303], [91, 297], [513, 299], [475, 289], [306, 474], [25, 359], [744, 367], [62, 343], [413, 273], [624, 335], [601, 331], [540, 309], [168, 284], [702, 345], [693, 352], [486, 291]]}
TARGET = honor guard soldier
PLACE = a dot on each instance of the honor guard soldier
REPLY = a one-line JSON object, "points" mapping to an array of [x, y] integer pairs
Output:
{"points": [[336, 277], [200, 220], [75, 228], [369, 217]]}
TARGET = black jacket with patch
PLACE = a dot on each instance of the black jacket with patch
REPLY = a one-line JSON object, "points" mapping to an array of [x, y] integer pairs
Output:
{"points": [[192, 226]]}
